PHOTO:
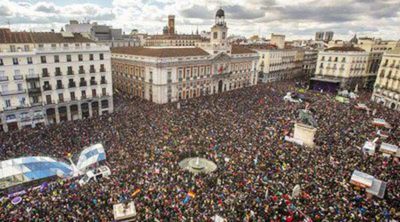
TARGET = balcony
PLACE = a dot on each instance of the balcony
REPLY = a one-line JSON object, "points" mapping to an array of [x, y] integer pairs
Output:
{"points": [[102, 70], [70, 72], [3, 78], [71, 85], [82, 84], [92, 71], [32, 77], [60, 86], [82, 71], [45, 74], [47, 88], [93, 83], [35, 90], [13, 92], [58, 74], [18, 77], [103, 82]]}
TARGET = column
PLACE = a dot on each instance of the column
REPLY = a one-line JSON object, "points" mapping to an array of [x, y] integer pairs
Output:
{"points": [[69, 113], [57, 115], [90, 109], [79, 111]]}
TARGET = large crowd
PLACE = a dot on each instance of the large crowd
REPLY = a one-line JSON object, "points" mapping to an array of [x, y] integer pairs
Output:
{"points": [[243, 132]]}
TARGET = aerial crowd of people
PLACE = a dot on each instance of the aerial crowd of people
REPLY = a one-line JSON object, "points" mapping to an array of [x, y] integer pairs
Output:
{"points": [[242, 131]]}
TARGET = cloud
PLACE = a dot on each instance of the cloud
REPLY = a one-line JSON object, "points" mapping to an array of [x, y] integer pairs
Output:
{"points": [[5, 11], [299, 18]]}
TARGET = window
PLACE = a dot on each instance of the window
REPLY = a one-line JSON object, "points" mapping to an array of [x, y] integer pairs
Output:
{"points": [[66, 45], [83, 93], [15, 61], [56, 58], [94, 93], [61, 97], [29, 60], [223, 35], [53, 45], [72, 94], [26, 48], [43, 59], [104, 91], [215, 35], [19, 86], [58, 71], [48, 99], [41, 46], [102, 69], [1, 62], [68, 58], [101, 56], [8, 103], [80, 57], [70, 71], [91, 57], [12, 48]]}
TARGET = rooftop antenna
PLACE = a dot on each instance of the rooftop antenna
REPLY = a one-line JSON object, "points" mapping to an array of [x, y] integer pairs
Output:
{"points": [[9, 23]]}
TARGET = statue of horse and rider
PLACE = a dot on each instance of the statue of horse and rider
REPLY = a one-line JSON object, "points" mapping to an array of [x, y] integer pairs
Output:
{"points": [[306, 117]]}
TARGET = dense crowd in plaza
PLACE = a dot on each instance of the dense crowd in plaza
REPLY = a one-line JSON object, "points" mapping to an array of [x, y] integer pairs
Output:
{"points": [[243, 132]]}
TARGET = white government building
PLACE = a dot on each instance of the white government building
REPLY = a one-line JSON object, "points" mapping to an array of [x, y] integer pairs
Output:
{"points": [[387, 85], [48, 77], [168, 74]]}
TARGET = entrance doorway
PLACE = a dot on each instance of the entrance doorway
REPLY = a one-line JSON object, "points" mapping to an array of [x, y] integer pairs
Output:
{"points": [[220, 83]]}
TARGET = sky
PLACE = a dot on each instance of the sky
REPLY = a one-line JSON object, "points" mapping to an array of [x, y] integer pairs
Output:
{"points": [[297, 19]]}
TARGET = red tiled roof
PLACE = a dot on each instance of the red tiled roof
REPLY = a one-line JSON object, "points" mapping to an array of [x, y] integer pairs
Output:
{"points": [[7, 36], [160, 52], [175, 36], [236, 49], [345, 49], [262, 46]]}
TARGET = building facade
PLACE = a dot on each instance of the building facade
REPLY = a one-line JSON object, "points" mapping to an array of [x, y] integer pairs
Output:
{"points": [[278, 64], [310, 62], [347, 65], [387, 86], [103, 34], [169, 74], [171, 38], [50, 77]]}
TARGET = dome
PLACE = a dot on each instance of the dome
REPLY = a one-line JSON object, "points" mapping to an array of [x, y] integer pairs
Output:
{"points": [[220, 13]]}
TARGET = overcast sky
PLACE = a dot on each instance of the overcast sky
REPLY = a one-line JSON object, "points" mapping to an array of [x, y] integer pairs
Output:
{"points": [[297, 19]]}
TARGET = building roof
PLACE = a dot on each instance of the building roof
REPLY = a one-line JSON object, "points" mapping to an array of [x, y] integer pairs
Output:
{"points": [[7, 36], [160, 52], [175, 36], [262, 46], [237, 49], [345, 49]]}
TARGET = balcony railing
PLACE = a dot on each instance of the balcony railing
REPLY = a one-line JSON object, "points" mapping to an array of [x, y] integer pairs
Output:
{"points": [[45, 74], [83, 84], [102, 70], [34, 90], [18, 77], [103, 82], [71, 85], [81, 71], [58, 74], [32, 77], [60, 86], [92, 71], [3, 78], [12, 92], [70, 72], [47, 87], [93, 83]]}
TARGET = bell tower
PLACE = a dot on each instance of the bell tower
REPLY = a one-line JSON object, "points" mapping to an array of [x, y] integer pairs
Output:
{"points": [[219, 33]]}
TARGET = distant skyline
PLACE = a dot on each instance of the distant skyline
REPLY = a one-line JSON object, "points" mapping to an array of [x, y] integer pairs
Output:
{"points": [[298, 19]]}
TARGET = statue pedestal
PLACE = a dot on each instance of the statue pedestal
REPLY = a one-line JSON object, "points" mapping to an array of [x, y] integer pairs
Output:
{"points": [[305, 133]]}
